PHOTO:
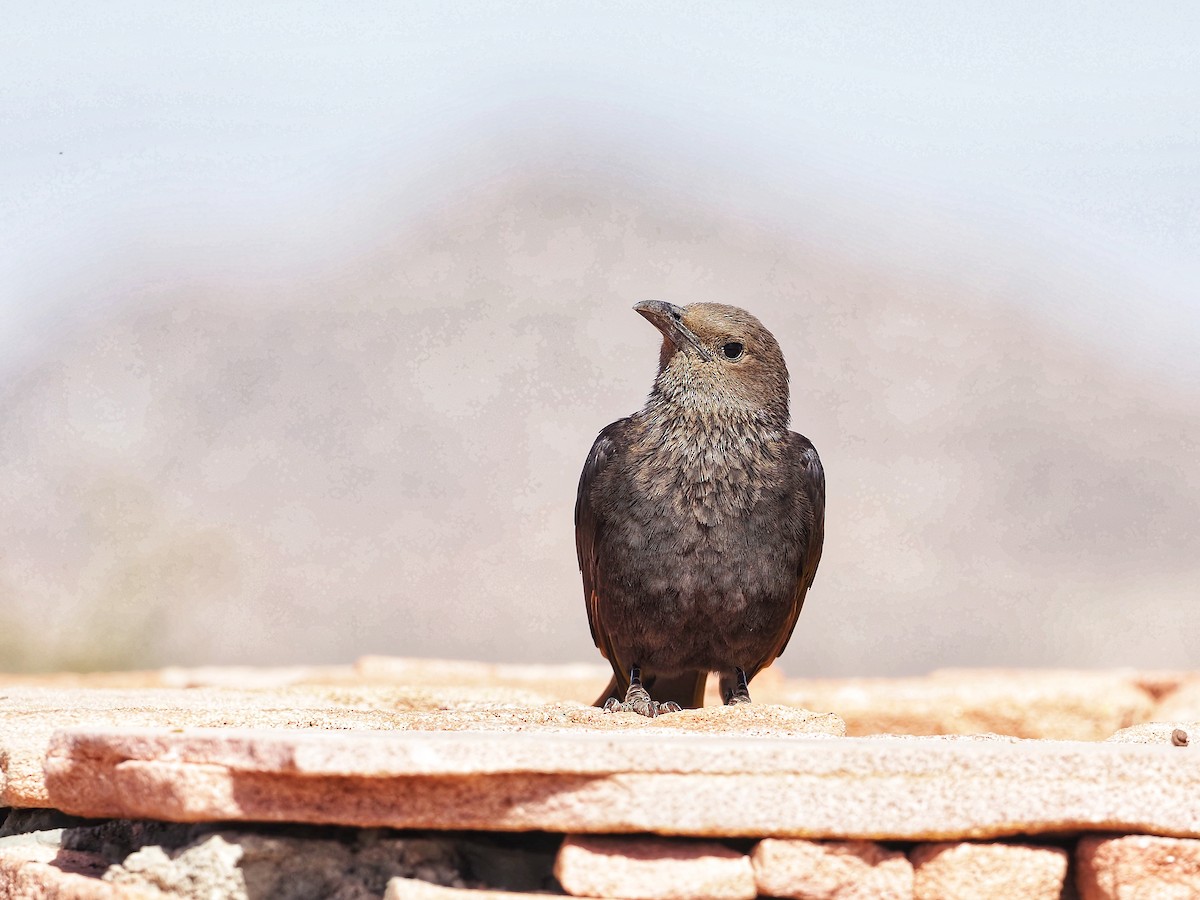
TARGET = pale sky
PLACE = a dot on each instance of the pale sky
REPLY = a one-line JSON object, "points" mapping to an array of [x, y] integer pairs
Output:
{"points": [[219, 137]]}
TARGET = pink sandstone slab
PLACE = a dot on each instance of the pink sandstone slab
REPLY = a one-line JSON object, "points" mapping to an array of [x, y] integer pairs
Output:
{"points": [[831, 870], [626, 781], [966, 871], [29, 715], [1137, 867], [645, 868], [31, 871]]}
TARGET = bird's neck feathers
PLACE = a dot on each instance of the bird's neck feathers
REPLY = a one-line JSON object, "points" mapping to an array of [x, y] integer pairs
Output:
{"points": [[721, 435], [706, 461], [701, 401], [710, 443]]}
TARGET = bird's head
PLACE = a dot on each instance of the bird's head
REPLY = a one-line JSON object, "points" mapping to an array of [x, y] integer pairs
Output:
{"points": [[718, 357]]}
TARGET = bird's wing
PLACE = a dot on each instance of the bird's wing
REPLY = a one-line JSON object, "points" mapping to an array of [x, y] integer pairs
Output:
{"points": [[589, 527], [808, 522]]}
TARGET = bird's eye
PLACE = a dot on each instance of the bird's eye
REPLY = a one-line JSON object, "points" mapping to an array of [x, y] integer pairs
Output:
{"points": [[733, 350]]}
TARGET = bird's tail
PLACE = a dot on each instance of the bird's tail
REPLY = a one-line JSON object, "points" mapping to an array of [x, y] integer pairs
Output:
{"points": [[687, 689]]}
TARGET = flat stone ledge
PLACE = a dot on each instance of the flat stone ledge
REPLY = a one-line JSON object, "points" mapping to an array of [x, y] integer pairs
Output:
{"points": [[30, 715], [671, 784]]}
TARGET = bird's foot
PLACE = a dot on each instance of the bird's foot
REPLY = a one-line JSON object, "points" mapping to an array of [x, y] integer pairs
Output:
{"points": [[735, 688], [637, 699], [651, 708]]}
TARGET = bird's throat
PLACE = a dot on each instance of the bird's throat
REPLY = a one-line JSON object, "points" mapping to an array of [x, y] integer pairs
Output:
{"points": [[711, 462]]}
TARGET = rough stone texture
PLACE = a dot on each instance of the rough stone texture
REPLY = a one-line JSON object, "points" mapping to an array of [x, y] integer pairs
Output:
{"points": [[835, 870], [29, 715], [965, 871], [1083, 706], [906, 788], [37, 871], [1183, 735], [450, 745], [644, 868], [1137, 867], [209, 869], [236, 865]]}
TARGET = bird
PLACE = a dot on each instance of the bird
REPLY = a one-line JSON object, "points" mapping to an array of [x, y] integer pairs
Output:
{"points": [[699, 519]]}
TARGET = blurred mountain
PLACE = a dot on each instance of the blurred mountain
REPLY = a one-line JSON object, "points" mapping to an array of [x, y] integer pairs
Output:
{"points": [[382, 458]]}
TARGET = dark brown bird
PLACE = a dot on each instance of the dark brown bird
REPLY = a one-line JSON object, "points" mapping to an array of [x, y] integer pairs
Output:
{"points": [[699, 519]]}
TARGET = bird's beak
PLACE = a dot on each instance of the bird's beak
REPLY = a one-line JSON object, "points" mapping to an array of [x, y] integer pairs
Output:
{"points": [[668, 319]]}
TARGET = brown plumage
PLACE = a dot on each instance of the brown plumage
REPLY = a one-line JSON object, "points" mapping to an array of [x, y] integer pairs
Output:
{"points": [[700, 518]]}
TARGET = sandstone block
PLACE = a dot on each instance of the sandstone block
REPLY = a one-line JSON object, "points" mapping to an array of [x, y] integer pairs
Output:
{"points": [[1138, 867], [33, 871], [29, 715], [627, 781], [644, 868], [965, 871], [836, 870]]}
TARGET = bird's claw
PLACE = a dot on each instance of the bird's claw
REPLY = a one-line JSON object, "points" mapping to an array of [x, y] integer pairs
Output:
{"points": [[651, 709], [637, 699]]}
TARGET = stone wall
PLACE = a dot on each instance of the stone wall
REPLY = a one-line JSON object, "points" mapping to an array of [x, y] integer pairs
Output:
{"points": [[439, 779]]}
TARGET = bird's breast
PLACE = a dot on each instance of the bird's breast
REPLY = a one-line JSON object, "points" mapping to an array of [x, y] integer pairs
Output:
{"points": [[695, 540], [712, 473]]}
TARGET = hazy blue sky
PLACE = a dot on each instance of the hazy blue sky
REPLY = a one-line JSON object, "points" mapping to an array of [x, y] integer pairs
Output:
{"points": [[221, 136]]}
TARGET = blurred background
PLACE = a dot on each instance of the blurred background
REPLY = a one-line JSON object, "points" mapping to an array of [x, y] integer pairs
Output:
{"points": [[309, 314]]}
